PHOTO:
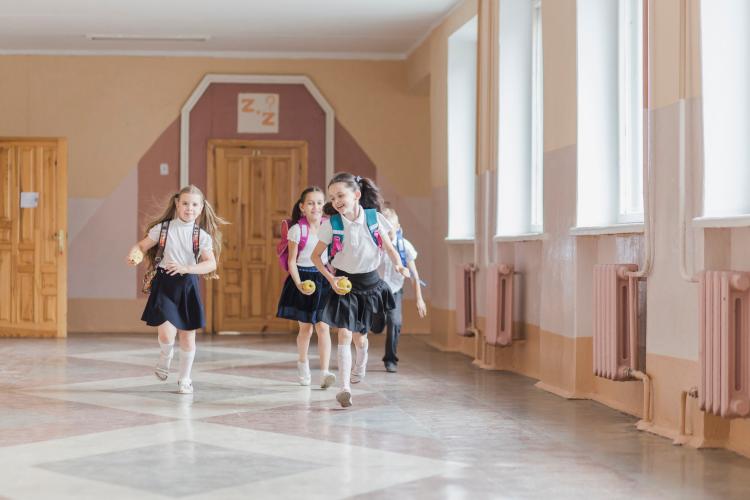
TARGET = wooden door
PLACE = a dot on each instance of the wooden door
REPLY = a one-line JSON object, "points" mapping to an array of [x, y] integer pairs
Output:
{"points": [[33, 261], [254, 184]]}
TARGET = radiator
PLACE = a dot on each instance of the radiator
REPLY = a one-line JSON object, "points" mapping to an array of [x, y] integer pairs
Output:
{"points": [[499, 329], [466, 300], [724, 343], [615, 320]]}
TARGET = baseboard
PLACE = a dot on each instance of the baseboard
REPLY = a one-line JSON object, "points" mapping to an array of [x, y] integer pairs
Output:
{"points": [[557, 391]]}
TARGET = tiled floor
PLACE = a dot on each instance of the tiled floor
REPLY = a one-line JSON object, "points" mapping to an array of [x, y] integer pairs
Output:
{"points": [[85, 418]]}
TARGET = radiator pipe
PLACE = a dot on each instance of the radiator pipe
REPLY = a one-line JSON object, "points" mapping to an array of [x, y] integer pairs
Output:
{"points": [[637, 374], [682, 436]]}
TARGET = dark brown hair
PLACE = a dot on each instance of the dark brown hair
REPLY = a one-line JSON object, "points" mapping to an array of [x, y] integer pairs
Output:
{"points": [[371, 197]]}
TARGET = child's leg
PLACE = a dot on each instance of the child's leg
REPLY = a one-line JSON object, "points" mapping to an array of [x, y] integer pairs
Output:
{"points": [[393, 325], [361, 345], [166, 333], [344, 397], [327, 379], [187, 355], [303, 344]]}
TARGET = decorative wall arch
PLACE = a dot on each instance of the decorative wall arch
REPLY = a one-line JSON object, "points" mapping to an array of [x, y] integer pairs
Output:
{"points": [[207, 80]]}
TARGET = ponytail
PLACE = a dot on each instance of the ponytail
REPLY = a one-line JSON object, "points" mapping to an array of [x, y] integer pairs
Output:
{"points": [[371, 197]]}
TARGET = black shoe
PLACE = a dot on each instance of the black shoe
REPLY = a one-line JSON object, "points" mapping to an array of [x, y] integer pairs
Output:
{"points": [[391, 367]]}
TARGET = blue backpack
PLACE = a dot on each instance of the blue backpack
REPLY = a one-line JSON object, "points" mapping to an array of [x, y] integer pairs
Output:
{"points": [[337, 242]]}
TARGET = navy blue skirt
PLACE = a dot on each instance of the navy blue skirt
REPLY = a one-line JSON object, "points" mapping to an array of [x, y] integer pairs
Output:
{"points": [[295, 305], [364, 306], [175, 299]]}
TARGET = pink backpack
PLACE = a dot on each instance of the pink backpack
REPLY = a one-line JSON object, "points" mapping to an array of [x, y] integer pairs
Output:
{"points": [[282, 248]]}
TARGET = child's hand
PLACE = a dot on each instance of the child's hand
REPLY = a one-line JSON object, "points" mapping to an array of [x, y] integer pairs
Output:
{"points": [[421, 308], [403, 271], [173, 268], [306, 287], [135, 256], [341, 285]]}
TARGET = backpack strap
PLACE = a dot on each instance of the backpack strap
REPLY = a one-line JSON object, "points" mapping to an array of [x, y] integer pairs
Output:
{"points": [[196, 241], [304, 233], [162, 243], [401, 247], [337, 240], [371, 219]]}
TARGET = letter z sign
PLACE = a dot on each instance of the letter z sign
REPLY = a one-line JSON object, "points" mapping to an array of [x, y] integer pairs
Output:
{"points": [[258, 113]]}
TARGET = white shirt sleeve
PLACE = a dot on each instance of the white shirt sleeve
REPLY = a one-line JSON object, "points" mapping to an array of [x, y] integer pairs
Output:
{"points": [[153, 233], [385, 226], [411, 252], [205, 242], [325, 232], [294, 234]]}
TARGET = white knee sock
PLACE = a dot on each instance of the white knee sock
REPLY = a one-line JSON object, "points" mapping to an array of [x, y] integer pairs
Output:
{"points": [[186, 364], [362, 353], [166, 350], [345, 365]]}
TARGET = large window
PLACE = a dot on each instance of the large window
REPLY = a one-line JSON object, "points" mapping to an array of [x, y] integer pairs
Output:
{"points": [[725, 40], [610, 112], [462, 124], [521, 103]]}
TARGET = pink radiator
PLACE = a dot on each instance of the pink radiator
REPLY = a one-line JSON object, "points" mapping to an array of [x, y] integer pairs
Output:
{"points": [[725, 343], [466, 300], [615, 320], [500, 305]]}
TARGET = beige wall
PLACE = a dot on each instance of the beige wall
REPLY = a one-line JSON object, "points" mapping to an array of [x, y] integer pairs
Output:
{"points": [[554, 286], [113, 109]]}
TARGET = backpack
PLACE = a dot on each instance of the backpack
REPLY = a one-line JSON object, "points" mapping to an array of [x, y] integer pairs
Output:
{"points": [[282, 248], [401, 247], [148, 277], [337, 242]]}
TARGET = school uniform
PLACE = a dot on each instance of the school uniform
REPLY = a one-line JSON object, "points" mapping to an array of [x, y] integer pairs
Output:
{"points": [[358, 260], [293, 304], [177, 298], [394, 317]]}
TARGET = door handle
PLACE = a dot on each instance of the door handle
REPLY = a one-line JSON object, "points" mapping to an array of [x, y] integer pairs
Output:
{"points": [[60, 241]]}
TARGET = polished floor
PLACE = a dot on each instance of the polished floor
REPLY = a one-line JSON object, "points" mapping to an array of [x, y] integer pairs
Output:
{"points": [[85, 418]]}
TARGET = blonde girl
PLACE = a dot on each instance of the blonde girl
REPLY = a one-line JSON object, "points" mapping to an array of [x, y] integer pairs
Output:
{"points": [[180, 245]]}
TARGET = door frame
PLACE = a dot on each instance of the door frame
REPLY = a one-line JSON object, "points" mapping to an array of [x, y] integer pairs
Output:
{"points": [[211, 192]]}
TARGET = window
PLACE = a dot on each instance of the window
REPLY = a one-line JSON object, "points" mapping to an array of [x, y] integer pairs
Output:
{"points": [[725, 44], [520, 119], [462, 123], [610, 112]]}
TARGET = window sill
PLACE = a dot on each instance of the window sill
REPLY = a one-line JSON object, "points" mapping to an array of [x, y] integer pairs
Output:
{"points": [[601, 230], [719, 222], [520, 237], [459, 241]]}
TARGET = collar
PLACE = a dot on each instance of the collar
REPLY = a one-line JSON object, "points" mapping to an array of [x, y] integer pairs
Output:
{"points": [[359, 220], [179, 222]]}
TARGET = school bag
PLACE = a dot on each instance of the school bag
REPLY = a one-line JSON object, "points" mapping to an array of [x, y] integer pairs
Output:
{"points": [[337, 242], [282, 248]]}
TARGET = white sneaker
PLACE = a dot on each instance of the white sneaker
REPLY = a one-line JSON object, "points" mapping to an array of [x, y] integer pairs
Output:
{"points": [[162, 367], [185, 387], [344, 397], [327, 379], [303, 372]]}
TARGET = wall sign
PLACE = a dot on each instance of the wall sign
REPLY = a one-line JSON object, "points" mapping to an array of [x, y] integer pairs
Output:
{"points": [[258, 113], [29, 199]]}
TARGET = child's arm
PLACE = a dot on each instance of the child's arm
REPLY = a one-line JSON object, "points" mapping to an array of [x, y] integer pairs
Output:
{"points": [[318, 261], [421, 307], [141, 247], [207, 264], [293, 271], [395, 258]]}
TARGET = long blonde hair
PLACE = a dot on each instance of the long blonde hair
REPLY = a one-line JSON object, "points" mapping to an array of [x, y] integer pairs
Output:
{"points": [[207, 220]]}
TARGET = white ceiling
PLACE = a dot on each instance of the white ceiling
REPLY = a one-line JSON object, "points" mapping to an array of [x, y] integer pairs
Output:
{"points": [[236, 28]]}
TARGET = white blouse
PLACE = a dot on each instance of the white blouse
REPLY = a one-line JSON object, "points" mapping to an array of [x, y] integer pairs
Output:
{"points": [[179, 247], [304, 257], [359, 254]]}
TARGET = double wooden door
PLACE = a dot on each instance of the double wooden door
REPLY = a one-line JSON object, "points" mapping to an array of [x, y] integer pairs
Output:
{"points": [[254, 185], [33, 229]]}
